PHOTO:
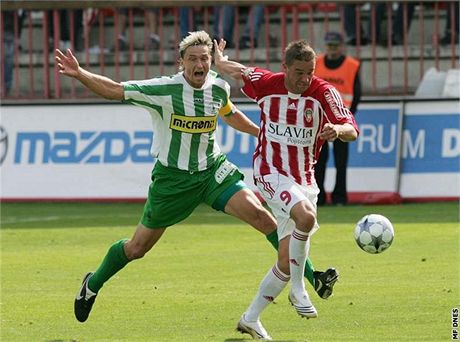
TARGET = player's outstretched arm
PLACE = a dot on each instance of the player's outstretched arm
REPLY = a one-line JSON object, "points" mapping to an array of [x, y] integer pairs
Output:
{"points": [[239, 121], [101, 85], [223, 64], [344, 132]]}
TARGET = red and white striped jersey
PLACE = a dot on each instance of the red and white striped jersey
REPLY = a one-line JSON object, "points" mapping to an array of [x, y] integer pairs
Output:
{"points": [[290, 124]]}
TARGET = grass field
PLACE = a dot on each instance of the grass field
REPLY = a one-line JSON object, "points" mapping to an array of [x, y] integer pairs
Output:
{"points": [[194, 285]]}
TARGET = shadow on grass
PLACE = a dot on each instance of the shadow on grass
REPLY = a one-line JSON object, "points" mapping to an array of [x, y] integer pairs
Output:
{"points": [[250, 339]]}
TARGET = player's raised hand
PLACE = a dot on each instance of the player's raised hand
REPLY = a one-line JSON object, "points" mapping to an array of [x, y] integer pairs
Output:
{"points": [[219, 50], [67, 64], [223, 64]]}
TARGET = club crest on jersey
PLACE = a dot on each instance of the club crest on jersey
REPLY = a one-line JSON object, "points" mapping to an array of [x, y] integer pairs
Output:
{"points": [[193, 124], [216, 105], [309, 114]]}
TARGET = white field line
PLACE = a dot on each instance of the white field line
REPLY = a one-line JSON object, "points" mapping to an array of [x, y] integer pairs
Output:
{"points": [[16, 219]]}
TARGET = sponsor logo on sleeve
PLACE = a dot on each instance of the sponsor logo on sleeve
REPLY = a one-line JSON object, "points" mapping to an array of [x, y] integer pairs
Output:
{"points": [[332, 104]]}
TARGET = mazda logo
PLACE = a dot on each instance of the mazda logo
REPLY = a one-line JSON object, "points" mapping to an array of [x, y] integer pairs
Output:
{"points": [[3, 144]]}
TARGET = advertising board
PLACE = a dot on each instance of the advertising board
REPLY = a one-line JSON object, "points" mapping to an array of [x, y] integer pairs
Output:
{"points": [[102, 152]]}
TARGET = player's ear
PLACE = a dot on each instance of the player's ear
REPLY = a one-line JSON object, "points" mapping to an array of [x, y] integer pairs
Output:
{"points": [[285, 67]]}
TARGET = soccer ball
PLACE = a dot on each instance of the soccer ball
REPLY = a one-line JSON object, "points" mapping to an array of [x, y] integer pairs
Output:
{"points": [[374, 233]]}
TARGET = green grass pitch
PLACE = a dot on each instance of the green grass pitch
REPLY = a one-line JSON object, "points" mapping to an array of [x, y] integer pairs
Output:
{"points": [[201, 276]]}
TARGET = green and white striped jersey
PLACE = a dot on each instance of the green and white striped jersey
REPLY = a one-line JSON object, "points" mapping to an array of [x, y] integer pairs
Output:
{"points": [[184, 118]]}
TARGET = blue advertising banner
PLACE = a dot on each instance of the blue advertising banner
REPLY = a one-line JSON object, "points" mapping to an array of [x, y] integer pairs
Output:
{"points": [[376, 147], [430, 152], [415, 155], [378, 142], [431, 143]]}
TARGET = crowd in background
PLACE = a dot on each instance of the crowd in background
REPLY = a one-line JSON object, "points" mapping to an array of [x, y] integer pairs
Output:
{"points": [[240, 26]]}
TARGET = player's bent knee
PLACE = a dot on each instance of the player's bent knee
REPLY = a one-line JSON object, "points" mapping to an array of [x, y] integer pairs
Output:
{"points": [[306, 221]]}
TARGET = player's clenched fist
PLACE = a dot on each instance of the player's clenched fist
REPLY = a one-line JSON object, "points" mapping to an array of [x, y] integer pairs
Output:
{"points": [[330, 132]]}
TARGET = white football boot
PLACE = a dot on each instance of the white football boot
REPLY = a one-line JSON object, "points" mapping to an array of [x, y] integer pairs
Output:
{"points": [[303, 305], [255, 329]]}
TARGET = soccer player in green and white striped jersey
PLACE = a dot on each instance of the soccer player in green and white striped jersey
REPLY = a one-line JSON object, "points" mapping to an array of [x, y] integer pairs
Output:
{"points": [[184, 117], [190, 165]]}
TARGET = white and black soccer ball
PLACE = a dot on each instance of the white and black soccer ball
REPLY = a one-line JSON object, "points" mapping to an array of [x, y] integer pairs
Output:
{"points": [[374, 233]]}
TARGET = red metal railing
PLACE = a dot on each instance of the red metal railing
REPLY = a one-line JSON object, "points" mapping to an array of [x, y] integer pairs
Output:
{"points": [[35, 76]]}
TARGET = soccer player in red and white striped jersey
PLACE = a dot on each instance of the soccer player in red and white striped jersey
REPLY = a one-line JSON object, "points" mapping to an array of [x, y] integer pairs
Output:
{"points": [[291, 123], [299, 113]]}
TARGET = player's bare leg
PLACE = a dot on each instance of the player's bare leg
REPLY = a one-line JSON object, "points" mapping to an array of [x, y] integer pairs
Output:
{"points": [[246, 206], [118, 255]]}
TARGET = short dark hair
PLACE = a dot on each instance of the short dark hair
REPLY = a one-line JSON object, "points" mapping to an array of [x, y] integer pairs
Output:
{"points": [[298, 50]]}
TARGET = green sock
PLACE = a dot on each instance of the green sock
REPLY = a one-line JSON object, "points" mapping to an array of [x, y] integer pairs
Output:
{"points": [[308, 273], [114, 261], [309, 268], [273, 239]]}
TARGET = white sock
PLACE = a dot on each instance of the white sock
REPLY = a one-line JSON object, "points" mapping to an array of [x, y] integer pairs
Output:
{"points": [[298, 250], [270, 287]]}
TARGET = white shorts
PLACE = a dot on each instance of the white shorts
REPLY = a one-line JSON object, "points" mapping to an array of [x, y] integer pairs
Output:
{"points": [[281, 193]]}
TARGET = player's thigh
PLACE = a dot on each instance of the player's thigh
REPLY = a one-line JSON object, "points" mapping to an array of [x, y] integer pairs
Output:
{"points": [[227, 192], [282, 194], [246, 206]]}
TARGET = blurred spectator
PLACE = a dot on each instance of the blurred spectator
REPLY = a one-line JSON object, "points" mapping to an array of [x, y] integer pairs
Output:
{"points": [[449, 34], [9, 45], [254, 15], [65, 23], [343, 73], [154, 39], [188, 20], [381, 10], [350, 21]]}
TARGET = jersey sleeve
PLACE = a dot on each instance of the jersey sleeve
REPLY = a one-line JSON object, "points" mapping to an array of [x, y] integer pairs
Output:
{"points": [[254, 80], [336, 111], [134, 90], [227, 108], [139, 93]]}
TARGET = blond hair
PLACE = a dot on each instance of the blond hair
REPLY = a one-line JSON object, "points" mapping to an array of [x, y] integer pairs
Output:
{"points": [[299, 50], [193, 39]]}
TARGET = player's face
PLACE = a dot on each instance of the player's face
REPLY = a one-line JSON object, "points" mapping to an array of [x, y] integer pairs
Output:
{"points": [[299, 75], [196, 64]]}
